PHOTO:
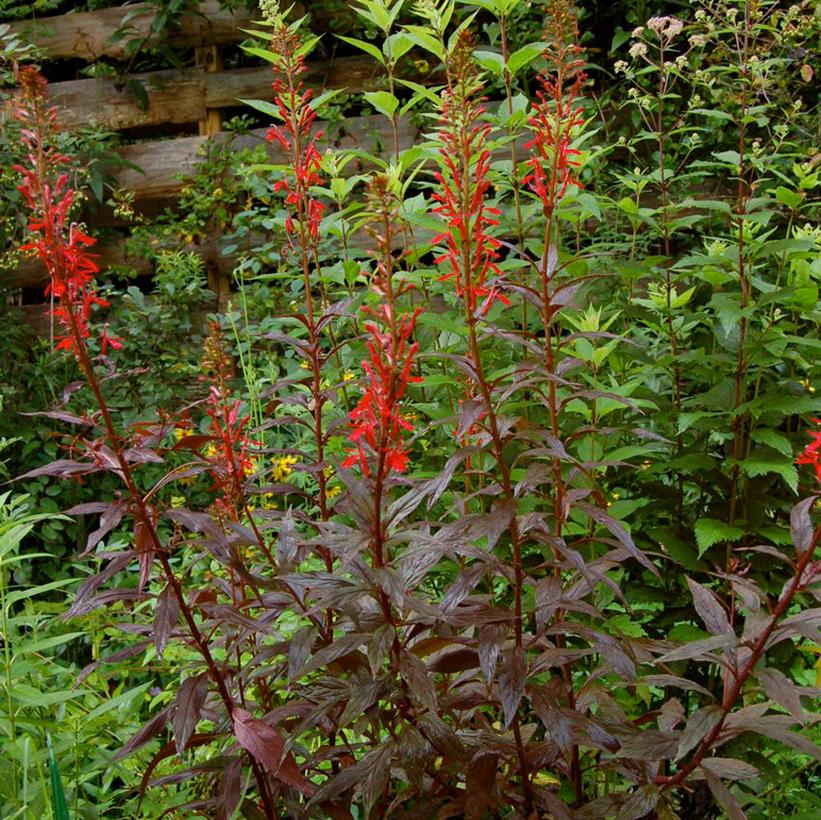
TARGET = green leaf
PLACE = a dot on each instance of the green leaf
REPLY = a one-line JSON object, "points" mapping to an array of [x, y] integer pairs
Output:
{"points": [[773, 439], [397, 45], [59, 805], [792, 199], [47, 643], [524, 57], [368, 48], [728, 157], [29, 696], [262, 53], [264, 106], [709, 531], [325, 98], [383, 101], [491, 61], [761, 464]]}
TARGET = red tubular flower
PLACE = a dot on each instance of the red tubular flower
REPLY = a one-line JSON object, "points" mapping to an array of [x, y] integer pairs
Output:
{"points": [[293, 102], [377, 420], [556, 117], [230, 458], [812, 452], [463, 184], [59, 244], [378, 423]]}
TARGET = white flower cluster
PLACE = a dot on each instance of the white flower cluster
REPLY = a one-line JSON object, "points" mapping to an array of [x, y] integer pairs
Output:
{"points": [[271, 11], [638, 50], [666, 28]]}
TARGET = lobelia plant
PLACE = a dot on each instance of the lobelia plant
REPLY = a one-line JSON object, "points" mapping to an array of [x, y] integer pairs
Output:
{"points": [[414, 644]]}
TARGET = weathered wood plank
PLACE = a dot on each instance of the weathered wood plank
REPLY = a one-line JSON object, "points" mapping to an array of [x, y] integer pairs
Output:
{"points": [[87, 35], [173, 98], [162, 162], [176, 97]]}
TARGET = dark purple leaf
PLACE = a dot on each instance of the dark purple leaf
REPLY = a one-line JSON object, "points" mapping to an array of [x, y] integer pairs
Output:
{"points": [[801, 526], [148, 732], [62, 468], [62, 415], [417, 677], [621, 534], [190, 700], [165, 619], [698, 649], [640, 803], [512, 682], [491, 639], [650, 744], [110, 518], [709, 609], [267, 747], [230, 790], [90, 507], [111, 596], [782, 690], [724, 797], [700, 724], [727, 768], [481, 784]]}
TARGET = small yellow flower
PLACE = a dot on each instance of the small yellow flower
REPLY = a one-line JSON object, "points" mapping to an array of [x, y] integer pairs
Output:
{"points": [[348, 376], [178, 500], [805, 383], [334, 491], [211, 451], [304, 365], [252, 466], [182, 432], [283, 467]]}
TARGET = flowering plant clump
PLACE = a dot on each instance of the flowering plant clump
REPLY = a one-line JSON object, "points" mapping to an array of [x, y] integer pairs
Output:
{"points": [[483, 504]]}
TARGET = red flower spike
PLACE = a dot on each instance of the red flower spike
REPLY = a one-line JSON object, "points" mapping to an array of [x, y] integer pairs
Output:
{"points": [[60, 245], [294, 137], [379, 426], [471, 252], [556, 117]]}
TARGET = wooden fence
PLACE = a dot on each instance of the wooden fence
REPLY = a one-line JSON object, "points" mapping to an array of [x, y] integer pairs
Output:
{"points": [[190, 100]]}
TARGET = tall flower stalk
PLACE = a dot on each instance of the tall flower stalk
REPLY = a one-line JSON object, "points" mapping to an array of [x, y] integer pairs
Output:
{"points": [[63, 252], [379, 425], [555, 122], [297, 138], [471, 254]]}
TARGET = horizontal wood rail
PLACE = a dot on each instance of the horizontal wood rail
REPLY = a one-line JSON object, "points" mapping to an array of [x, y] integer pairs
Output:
{"points": [[87, 35], [178, 97]]}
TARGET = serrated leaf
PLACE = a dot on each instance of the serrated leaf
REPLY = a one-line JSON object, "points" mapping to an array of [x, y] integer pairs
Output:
{"points": [[759, 465], [709, 531]]}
